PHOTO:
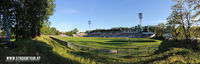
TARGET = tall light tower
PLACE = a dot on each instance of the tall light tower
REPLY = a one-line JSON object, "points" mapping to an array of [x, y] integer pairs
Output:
{"points": [[89, 23], [140, 17]]}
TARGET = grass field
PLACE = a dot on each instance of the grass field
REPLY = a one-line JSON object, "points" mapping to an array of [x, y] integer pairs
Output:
{"points": [[112, 42], [53, 52], [125, 49], [165, 52]]}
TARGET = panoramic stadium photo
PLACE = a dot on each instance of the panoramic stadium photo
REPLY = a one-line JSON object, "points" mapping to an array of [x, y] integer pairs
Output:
{"points": [[99, 31]]}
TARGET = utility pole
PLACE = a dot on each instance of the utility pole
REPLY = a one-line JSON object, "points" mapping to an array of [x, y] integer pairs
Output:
{"points": [[6, 23]]}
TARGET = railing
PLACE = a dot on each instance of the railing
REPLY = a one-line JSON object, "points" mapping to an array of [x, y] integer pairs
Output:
{"points": [[112, 52]]}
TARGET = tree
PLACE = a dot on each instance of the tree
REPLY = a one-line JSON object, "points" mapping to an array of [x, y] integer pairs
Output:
{"points": [[152, 28], [70, 33], [196, 6], [2, 33], [75, 31], [25, 17], [160, 30], [196, 31], [181, 21], [138, 28], [47, 30], [148, 28], [174, 25], [54, 31]]}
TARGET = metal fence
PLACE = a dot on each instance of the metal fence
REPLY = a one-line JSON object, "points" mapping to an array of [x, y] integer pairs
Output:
{"points": [[112, 52]]}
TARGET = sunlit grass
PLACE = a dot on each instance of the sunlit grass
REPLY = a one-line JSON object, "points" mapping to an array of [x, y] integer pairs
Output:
{"points": [[142, 44], [63, 51], [111, 42], [173, 55], [7, 39]]}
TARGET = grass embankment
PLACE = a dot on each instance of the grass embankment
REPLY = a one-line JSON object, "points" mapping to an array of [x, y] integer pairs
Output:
{"points": [[49, 50], [177, 52], [65, 52]]}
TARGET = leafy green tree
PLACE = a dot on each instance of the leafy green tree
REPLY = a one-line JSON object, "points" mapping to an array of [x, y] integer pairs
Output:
{"points": [[2, 33], [47, 30], [195, 31], [196, 6], [70, 33], [152, 28], [183, 13], [75, 30], [25, 17], [148, 28], [174, 25], [54, 31], [160, 30]]}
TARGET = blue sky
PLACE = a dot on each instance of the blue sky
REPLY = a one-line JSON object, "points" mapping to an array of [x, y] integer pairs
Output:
{"points": [[105, 14]]}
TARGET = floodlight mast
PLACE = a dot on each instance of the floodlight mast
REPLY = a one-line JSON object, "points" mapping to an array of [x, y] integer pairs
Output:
{"points": [[89, 23], [140, 17]]}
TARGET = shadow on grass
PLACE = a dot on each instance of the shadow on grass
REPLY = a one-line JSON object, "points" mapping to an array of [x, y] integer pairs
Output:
{"points": [[132, 41], [95, 57], [33, 48], [167, 45], [163, 57], [105, 43], [112, 43]]}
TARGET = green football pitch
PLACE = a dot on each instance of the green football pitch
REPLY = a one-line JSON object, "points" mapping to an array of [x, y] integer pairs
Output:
{"points": [[112, 42], [115, 48]]}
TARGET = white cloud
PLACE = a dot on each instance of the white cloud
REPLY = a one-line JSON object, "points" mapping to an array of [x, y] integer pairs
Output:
{"points": [[71, 11], [162, 21], [61, 27]]}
